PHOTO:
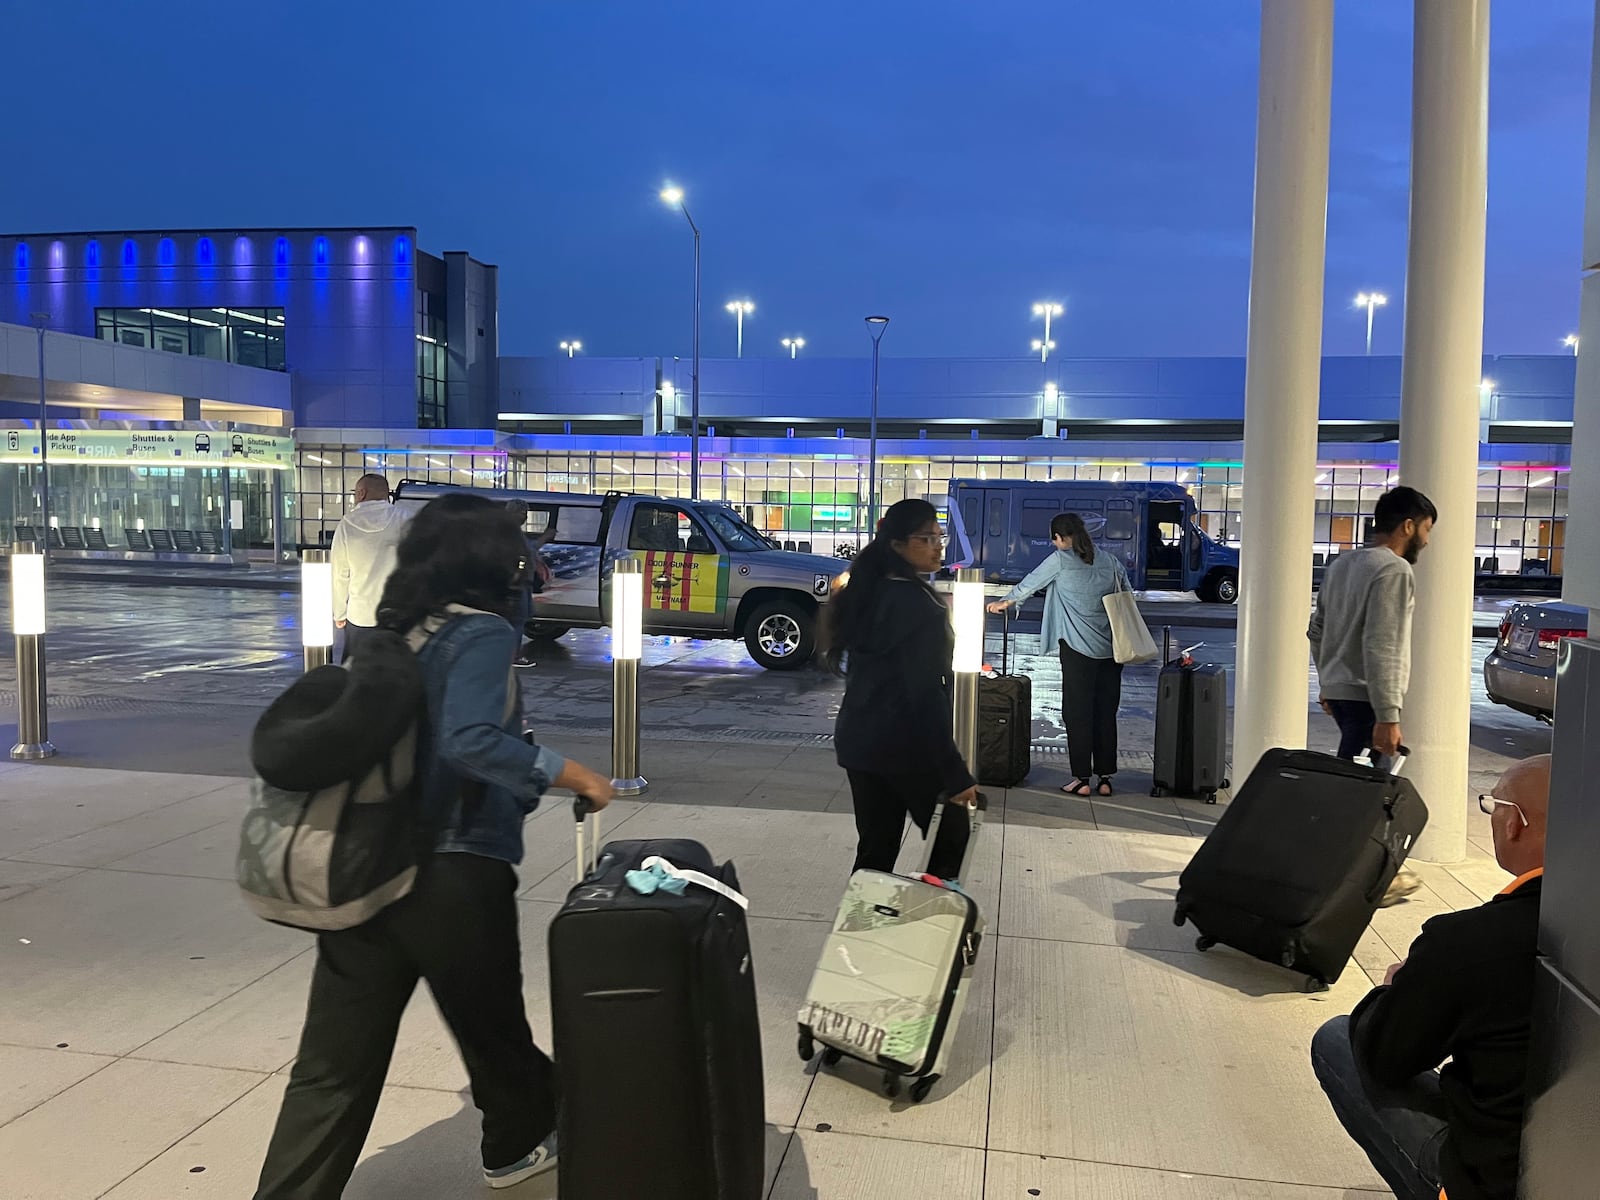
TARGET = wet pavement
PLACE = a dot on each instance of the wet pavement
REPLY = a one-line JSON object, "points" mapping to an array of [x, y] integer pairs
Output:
{"points": [[173, 678]]}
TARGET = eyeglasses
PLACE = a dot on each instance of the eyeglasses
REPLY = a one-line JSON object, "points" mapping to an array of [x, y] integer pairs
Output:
{"points": [[1487, 804], [930, 538]]}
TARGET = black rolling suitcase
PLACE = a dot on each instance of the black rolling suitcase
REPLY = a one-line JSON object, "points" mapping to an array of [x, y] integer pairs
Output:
{"points": [[1300, 861], [1005, 722], [657, 1039], [1191, 751]]}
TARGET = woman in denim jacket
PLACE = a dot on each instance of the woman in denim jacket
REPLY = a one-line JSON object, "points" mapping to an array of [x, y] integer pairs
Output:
{"points": [[460, 570]]}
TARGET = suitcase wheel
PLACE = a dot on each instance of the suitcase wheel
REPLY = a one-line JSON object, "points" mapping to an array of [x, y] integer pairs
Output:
{"points": [[1211, 797], [831, 1057], [1158, 792], [1180, 914], [1204, 943], [921, 1088], [891, 1084], [1315, 984], [807, 1045]]}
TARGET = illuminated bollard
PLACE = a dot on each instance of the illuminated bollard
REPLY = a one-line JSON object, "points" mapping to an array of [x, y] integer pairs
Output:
{"points": [[316, 608], [27, 627], [627, 647], [966, 615]]}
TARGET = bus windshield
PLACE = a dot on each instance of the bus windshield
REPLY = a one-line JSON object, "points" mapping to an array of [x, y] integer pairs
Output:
{"points": [[733, 531]]}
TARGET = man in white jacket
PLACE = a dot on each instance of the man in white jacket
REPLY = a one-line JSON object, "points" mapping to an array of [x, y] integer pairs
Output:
{"points": [[363, 557]]}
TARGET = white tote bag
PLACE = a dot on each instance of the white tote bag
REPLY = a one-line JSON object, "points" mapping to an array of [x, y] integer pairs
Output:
{"points": [[1130, 636]]}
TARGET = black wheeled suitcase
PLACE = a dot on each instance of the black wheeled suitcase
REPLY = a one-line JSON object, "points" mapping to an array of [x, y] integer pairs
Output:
{"points": [[1005, 722], [657, 1038], [1300, 860], [1191, 751]]}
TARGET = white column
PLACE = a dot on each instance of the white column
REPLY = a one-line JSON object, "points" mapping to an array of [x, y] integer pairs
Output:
{"points": [[1442, 369], [1282, 374]]}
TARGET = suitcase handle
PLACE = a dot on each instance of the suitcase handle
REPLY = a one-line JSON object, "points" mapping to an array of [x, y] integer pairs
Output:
{"points": [[974, 815], [583, 809]]}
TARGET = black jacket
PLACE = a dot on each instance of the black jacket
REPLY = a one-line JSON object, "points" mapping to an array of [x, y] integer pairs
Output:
{"points": [[1465, 993], [895, 717]]}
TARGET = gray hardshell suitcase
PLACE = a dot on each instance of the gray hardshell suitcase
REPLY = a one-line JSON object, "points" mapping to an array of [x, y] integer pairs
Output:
{"points": [[1191, 750], [892, 981]]}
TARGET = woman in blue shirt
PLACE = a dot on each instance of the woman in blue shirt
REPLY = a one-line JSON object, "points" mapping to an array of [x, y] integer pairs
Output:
{"points": [[1077, 578]]}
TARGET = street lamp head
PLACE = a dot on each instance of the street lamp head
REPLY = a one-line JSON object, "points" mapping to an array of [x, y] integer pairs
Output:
{"points": [[877, 320], [1041, 345], [1040, 309], [741, 306], [1371, 299], [672, 195], [1570, 340], [1486, 385]]}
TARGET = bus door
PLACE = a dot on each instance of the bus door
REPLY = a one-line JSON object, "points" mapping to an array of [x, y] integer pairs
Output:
{"points": [[1165, 533]]}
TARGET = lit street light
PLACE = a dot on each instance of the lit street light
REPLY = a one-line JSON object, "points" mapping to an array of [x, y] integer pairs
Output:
{"points": [[793, 345], [1571, 340], [740, 309], [875, 327], [1046, 309], [571, 347], [674, 196], [1371, 301]]}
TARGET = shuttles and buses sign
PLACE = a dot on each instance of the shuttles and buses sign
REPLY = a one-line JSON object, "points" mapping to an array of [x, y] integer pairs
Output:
{"points": [[156, 447]]}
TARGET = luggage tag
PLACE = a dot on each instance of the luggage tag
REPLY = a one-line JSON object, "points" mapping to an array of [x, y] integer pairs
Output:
{"points": [[698, 878]]}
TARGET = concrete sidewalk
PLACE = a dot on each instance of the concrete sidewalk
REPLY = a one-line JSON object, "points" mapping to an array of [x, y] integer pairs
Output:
{"points": [[147, 1021]]}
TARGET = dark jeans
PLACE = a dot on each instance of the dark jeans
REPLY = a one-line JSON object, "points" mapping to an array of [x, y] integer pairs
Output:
{"points": [[1091, 693], [1401, 1131], [882, 803], [459, 932], [354, 635], [1356, 721]]}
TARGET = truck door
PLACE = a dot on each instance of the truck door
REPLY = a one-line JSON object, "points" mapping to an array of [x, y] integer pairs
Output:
{"points": [[685, 576], [1165, 531]]}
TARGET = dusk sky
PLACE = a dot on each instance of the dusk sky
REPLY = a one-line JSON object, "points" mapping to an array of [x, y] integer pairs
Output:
{"points": [[941, 161]]}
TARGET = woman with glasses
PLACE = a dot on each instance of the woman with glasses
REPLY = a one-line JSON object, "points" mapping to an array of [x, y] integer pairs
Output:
{"points": [[1077, 578], [888, 632]]}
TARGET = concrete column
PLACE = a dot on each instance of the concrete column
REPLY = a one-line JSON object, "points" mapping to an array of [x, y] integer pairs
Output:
{"points": [[1439, 399], [1282, 378]]}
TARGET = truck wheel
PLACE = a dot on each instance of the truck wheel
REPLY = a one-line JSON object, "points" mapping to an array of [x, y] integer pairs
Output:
{"points": [[538, 631], [781, 635]]}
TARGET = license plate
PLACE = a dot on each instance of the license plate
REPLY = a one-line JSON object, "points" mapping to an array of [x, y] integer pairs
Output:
{"points": [[1521, 640]]}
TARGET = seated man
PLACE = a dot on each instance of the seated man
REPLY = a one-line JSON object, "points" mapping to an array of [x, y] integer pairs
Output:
{"points": [[1464, 992]]}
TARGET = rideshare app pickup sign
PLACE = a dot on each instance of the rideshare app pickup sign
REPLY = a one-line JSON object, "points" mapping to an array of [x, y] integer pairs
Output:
{"points": [[154, 447]]}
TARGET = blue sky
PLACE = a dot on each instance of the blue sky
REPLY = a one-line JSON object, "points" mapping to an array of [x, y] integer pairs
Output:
{"points": [[944, 162]]}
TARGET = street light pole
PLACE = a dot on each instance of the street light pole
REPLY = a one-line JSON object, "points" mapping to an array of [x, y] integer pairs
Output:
{"points": [[1571, 342], [793, 345], [674, 196], [875, 327], [1046, 309], [1370, 301], [571, 347], [739, 308], [40, 321]]}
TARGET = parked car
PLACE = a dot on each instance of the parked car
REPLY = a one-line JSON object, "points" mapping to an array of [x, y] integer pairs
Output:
{"points": [[708, 572], [1521, 670], [1003, 527]]}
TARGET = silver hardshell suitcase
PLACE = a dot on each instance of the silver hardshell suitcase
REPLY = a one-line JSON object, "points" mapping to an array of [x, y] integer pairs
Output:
{"points": [[892, 981]]}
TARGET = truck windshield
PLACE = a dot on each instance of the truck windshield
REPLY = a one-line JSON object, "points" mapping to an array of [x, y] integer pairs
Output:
{"points": [[735, 534]]}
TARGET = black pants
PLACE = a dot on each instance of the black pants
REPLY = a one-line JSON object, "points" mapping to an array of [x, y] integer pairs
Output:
{"points": [[1356, 720], [882, 803], [354, 635], [459, 932], [1091, 693]]}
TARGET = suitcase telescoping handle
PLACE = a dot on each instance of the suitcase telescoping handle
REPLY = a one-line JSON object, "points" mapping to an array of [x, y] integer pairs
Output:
{"points": [[583, 809], [973, 815], [1396, 765]]}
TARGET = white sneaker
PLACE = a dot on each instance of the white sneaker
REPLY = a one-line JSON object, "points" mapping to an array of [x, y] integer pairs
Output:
{"points": [[540, 1162], [1403, 885]]}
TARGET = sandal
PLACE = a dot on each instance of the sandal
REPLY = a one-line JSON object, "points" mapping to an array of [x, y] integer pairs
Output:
{"points": [[1105, 785], [1078, 787]]}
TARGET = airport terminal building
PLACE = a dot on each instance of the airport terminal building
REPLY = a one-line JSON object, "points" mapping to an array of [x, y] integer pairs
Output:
{"points": [[219, 391]]}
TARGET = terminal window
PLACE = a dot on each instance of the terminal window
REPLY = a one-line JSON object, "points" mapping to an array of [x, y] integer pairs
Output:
{"points": [[250, 337]]}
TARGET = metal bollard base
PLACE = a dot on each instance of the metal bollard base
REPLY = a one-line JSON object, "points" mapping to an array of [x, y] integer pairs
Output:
{"points": [[318, 656], [32, 751], [636, 786]]}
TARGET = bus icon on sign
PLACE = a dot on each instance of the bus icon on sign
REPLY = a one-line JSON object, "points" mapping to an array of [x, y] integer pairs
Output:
{"points": [[202, 444], [13, 440], [238, 443]]}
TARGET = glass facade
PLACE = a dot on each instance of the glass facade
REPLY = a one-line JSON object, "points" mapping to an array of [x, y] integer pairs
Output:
{"points": [[817, 501], [432, 354], [251, 337]]}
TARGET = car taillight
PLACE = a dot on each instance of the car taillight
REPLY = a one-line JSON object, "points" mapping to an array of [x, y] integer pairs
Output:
{"points": [[1505, 628], [1550, 639]]}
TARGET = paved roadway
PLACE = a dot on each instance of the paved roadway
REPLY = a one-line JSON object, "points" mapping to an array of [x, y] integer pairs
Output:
{"points": [[172, 679]]}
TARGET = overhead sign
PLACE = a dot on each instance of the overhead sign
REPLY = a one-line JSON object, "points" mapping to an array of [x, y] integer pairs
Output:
{"points": [[126, 447]]}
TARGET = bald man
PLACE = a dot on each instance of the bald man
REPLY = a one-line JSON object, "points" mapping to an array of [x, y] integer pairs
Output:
{"points": [[1464, 992]]}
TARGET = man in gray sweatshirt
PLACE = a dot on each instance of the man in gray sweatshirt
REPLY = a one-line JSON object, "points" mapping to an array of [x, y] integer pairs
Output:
{"points": [[1361, 630], [1361, 634]]}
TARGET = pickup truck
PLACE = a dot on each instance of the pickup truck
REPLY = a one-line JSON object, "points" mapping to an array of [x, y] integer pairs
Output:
{"points": [[708, 573]]}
